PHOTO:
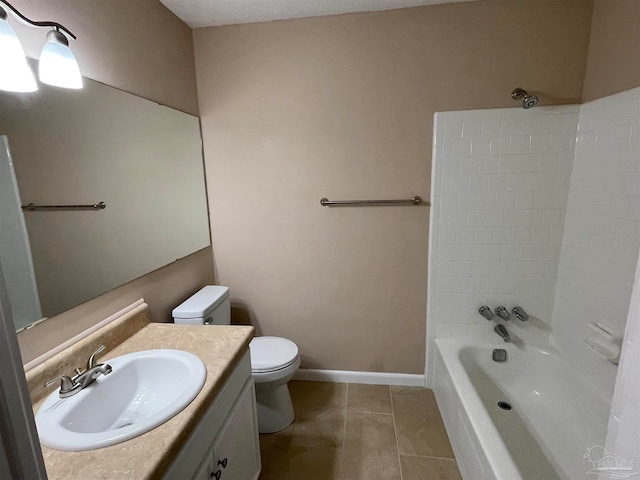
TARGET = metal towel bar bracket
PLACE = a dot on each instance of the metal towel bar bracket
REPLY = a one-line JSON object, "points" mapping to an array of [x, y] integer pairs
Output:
{"points": [[416, 200], [94, 206]]}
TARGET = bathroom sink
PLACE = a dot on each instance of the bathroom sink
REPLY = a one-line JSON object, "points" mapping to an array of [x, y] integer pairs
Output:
{"points": [[144, 390]]}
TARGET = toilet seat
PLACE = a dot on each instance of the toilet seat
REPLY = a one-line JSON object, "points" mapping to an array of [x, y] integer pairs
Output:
{"points": [[269, 354]]}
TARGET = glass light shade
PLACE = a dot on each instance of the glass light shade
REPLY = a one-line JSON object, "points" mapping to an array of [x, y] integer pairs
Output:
{"points": [[58, 66], [15, 74]]}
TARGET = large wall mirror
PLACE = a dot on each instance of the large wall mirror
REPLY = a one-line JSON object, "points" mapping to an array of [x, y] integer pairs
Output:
{"points": [[81, 147]]}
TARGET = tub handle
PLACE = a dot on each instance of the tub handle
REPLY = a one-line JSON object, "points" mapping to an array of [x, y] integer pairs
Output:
{"points": [[503, 313], [520, 314], [486, 312]]}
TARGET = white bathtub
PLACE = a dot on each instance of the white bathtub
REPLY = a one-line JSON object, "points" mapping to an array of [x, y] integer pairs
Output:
{"points": [[554, 418]]}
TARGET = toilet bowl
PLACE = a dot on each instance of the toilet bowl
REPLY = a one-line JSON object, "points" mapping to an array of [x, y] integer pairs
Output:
{"points": [[274, 360]]}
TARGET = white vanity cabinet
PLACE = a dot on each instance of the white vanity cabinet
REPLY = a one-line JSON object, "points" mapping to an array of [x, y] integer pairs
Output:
{"points": [[225, 444]]}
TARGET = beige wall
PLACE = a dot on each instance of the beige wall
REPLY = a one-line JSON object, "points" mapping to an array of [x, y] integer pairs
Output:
{"points": [[135, 45], [614, 50], [342, 107], [141, 47]]}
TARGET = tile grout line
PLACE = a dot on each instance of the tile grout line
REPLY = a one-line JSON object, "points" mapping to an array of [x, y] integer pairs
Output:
{"points": [[370, 413], [395, 431], [428, 456]]}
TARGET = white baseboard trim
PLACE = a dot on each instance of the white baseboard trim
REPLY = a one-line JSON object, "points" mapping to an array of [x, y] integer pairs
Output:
{"points": [[371, 378]]}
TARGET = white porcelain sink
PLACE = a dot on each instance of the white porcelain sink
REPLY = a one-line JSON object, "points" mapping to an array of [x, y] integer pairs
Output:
{"points": [[144, 390]]}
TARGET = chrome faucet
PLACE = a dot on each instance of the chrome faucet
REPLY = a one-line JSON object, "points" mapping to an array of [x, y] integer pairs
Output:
{"points": [[486, 312], [70, 386], [89, 376], [520, 314], [503, 313], [502, 331]]}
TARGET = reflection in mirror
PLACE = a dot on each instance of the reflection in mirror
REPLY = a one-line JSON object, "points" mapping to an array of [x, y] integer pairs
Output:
{"points": [[99, 144]]}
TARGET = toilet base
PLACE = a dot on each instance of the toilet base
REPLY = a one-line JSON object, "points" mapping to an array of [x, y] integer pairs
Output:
{"points": [[275, 409]]}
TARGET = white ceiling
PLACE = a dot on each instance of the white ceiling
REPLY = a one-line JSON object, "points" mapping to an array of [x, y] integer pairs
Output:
{"points": [[209, 13]]}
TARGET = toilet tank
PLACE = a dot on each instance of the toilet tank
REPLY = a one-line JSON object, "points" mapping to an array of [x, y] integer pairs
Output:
{"points": [[209, 306]]}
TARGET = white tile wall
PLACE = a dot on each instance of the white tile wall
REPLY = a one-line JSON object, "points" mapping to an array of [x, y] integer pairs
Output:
{"points": [[499, 234], [624, 422], [602, 230], [499, 190]]}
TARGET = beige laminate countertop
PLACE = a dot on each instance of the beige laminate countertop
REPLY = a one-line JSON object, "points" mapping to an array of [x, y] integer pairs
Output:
{"points": [[149, 455]]}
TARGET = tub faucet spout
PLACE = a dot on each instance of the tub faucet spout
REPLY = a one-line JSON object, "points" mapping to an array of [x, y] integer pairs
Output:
{"points": [[502, 331], [486, 312]]}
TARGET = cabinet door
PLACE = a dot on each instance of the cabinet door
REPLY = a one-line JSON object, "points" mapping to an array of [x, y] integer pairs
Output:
{"points": [[205, 469], [236, 450]]}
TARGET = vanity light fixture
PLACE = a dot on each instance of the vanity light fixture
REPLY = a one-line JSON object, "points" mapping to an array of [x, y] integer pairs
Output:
{"points": [[57, 66], [15, 74]]}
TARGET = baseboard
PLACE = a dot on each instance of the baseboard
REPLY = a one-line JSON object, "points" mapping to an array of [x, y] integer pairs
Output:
{"points": [[371, 378]]}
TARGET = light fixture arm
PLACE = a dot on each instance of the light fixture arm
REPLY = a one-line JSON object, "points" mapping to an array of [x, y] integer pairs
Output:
{"points": [[33, 23]]}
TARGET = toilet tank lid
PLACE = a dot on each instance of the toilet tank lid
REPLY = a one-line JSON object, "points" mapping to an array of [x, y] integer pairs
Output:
{"points": [[202, 302]]}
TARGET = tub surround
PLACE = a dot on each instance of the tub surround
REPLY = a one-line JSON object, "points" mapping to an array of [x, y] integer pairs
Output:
{"points": [[522, 217], [624, 422], [149, 455], [500, 181], [567, 254], [601, 241]]}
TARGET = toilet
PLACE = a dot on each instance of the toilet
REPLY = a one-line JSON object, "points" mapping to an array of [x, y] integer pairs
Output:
{"points": [[274, 360]]}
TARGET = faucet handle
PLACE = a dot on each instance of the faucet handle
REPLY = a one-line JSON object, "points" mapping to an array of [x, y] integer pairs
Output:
{"points": [[520, 314], [66, 383], [68, 386], [486, 312], [92, 359]]}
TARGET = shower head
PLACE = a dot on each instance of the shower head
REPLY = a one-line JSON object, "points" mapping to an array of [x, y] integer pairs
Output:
{"points": [[528, 101]]}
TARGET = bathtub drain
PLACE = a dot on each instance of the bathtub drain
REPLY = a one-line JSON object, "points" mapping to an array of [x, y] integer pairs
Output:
{"points": [[504, 405]]}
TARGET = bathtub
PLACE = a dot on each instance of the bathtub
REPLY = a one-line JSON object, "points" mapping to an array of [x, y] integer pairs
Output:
{"points": [[554, 416]]}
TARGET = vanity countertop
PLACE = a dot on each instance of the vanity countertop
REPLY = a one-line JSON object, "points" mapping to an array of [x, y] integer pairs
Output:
{"points": [[149, 455]]}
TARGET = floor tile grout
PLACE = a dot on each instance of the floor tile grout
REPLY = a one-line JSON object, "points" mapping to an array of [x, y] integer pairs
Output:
{"points": [[427, 456], [344, 431], [395, 431], [287, 447], [371, 413]]}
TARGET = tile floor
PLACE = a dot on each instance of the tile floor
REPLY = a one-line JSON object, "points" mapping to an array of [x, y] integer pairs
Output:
{"points": [[352, 432]]}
